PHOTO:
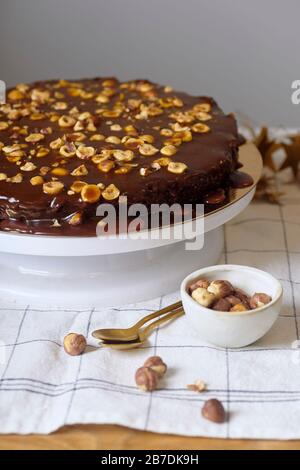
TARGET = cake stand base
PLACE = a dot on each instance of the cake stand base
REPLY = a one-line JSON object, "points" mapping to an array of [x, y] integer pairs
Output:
{"points": [[101, 281]]}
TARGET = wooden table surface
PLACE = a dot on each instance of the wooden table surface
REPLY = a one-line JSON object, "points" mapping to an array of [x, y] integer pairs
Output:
{"points": [[95, 437]]}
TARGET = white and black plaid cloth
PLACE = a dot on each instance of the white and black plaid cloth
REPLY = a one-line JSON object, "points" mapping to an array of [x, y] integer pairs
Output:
{"points": [[42, 388]]}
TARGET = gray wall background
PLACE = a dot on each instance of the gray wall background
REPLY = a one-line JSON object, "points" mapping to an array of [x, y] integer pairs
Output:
{"points": [[243, 52]]}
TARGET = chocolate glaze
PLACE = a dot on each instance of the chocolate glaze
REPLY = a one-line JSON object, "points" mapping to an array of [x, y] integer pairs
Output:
{"points": [[240, 179], [211, 159], [215, 197]]}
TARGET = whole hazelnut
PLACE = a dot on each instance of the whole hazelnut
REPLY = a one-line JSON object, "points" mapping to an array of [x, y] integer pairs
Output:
{"points": [[220, 288], [157, 364], [222, 305], [146, 379], [259, 300], [203, 297], [74, 344], [239, 308], [204, 283], [213, 410], [233, 300], [245, 298]]}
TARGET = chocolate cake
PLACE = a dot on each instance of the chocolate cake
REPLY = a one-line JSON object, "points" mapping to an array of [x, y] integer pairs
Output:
{"points": [[68, 146]]}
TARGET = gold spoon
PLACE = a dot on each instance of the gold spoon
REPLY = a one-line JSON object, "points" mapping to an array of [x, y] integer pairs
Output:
{"points": [[132, 333], [142, 334]]}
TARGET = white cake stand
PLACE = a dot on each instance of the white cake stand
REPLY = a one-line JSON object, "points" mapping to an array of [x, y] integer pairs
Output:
{"points": [[96, 272]]}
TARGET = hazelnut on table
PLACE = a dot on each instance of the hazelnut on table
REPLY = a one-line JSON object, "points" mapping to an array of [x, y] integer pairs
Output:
{"points": [[146, 379], [213, 410], [157, 365], [74, 344]]}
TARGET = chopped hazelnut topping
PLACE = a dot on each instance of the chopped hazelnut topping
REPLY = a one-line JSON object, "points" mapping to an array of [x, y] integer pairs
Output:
{"points": [[57, 143], [15, 95], [106, 165], [42, 96], [97, 137], [60, 171], [200, 128], [60, 105], [177, 167], [168, 150], [102, 98], [76, 137], [123, 155], [149, 139], [16, 179], [130, 130], [34, 137], [145, 171], [29, 166], [3, 125], [202, 107], [68, 150], [113, 139], [123, 170], [66, 121], [42, 152], [77, 186], [37, 180], [44, 170], [111, 192], [84, 152], [76, 219], [163, 161], [115, 127], [53, 187], [147, 149], [80, 171], [201, 116]]}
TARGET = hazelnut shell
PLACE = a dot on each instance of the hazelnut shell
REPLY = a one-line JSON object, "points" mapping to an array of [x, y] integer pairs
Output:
{"points": [[213, 410]]}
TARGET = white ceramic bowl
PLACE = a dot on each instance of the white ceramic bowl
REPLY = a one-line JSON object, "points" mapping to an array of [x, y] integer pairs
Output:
{"points": [[228, 329]]}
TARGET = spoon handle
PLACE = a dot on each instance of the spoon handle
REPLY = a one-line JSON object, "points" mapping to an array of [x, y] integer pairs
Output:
{"points": [[158, 313], [170, 316], [105, 334]]}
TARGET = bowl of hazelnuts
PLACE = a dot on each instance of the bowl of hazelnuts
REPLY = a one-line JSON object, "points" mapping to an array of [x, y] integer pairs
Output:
{"points": [[231, 306]]}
